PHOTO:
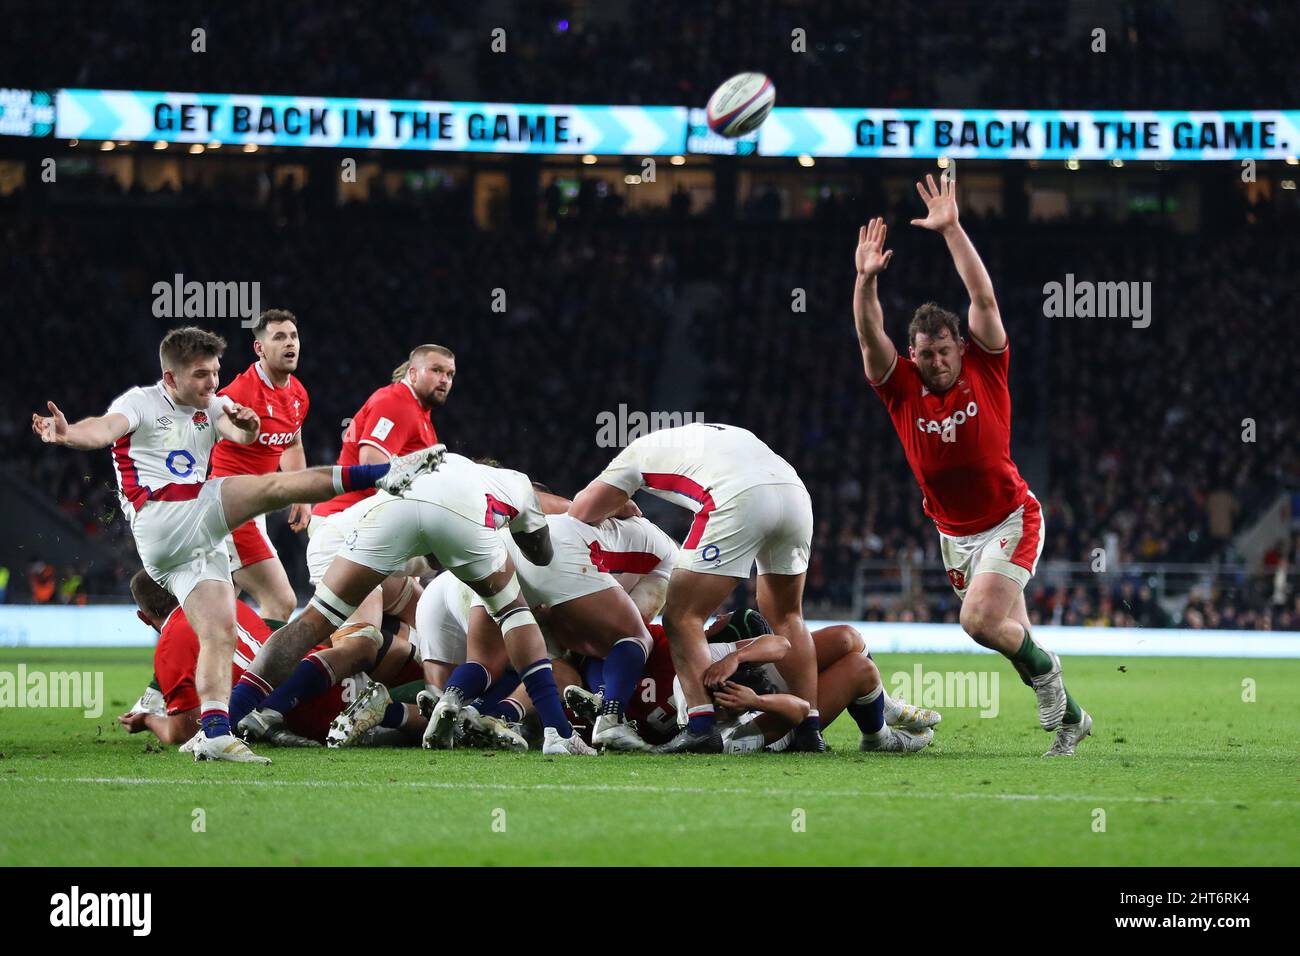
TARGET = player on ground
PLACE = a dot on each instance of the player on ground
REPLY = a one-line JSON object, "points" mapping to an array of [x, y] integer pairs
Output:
{"points": [[749, 506], [162, 436], [393, 421], [951, 406], [305, 722], [847, 679], [453, 515], [269, 387], [587, 611]]}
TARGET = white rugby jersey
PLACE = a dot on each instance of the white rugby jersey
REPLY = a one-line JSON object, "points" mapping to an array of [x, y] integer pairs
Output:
{"points": [[164, 455], [494, 497], [698, 466], [623, 546]]}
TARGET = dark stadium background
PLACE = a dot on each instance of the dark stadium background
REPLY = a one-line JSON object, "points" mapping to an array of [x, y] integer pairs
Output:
{"points": [[676, 295]]}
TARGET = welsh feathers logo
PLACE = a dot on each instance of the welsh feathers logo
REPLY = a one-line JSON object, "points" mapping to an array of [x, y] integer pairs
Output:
{"points": [[200, 420]]}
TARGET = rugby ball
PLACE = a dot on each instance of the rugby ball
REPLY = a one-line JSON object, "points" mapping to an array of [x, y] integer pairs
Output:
{"points": [[740, 105]]}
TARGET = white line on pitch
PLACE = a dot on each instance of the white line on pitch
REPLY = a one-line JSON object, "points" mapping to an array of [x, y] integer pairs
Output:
{"points": [[901, 794]]}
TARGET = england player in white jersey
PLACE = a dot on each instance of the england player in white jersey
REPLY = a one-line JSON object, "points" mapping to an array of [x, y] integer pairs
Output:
{"points": [[452, 515], [162, 436], [750, 507], [587, 612]]}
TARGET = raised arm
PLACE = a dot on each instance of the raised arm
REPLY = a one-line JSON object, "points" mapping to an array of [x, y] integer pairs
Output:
{"points": [[87, 434], [871, 259], [941, 207]]}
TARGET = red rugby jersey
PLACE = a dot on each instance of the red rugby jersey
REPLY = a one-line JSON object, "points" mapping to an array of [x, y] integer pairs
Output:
{"points": [[970, 483], [392, 420], [651, 705], [176, 655], [282, 410]]}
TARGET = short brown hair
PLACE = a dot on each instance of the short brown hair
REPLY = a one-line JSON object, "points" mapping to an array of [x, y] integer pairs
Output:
{"points": [[932, 319], [399, 373], [181, 347], [151, 597], [422, 350], [273, 315]]}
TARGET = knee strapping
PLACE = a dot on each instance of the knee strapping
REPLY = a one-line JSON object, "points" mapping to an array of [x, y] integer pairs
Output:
{"points": [[515, 617], [508, 618], [335, 610], [496, 603]]}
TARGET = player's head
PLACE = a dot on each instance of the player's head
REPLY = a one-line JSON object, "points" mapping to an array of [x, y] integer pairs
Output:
{"points": [[275, 340], [749, 675], [191, 364], [153, 601], [935, 345], [430, 371]]}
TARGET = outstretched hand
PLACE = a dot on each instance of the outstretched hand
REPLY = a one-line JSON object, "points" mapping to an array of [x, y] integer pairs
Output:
{"points": [[52, 429], [940, 203], [871, 258]]}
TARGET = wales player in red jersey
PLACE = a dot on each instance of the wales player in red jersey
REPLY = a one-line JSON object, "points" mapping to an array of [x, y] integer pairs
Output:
{"points": [[269, 387], [951, 406]]}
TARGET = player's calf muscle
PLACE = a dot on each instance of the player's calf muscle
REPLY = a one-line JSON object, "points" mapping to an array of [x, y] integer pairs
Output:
{"points": [[282, 651]]}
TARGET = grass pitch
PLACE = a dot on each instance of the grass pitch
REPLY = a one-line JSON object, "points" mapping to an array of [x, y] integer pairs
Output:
{"points": [[1182, 770]]}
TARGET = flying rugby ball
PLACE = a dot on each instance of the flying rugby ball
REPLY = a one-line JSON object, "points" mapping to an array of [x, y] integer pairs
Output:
{"points": [[740, 105]]}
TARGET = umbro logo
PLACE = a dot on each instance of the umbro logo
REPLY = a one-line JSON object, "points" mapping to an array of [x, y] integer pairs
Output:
{"points": [[1002, 543], [164, 421]]}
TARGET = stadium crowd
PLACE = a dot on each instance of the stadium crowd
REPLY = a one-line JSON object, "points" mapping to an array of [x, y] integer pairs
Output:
{"points": [[1131, 437], [1220, 54]]}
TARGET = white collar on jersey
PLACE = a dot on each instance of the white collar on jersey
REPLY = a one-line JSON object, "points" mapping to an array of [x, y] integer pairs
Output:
{"points": [[167, 620], [407, 383], [261, 373]]}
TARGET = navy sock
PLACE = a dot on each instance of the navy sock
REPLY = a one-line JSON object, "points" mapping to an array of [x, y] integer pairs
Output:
{"points": [[394, 715], [311, 676], [509, 710], [700, 720], [356, 477], [471, 679], [623, 669], [501, 688], [869, 712], [540, 682], [812, 722], [593, 672], [245, 697], [213, 719]]}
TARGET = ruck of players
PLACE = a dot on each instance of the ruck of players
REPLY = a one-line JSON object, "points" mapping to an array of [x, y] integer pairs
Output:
{"points": [[459, 603]]}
